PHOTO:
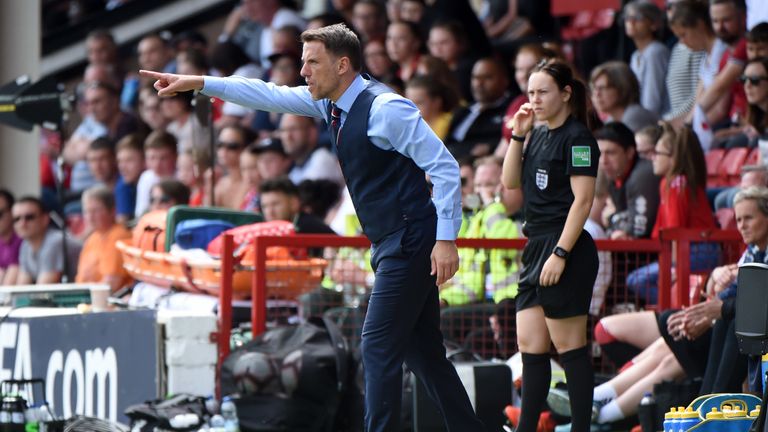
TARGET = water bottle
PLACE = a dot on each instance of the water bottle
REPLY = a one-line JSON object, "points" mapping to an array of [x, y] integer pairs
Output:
{"points": [[229, 412], [217, 423], [646, 413], [688, 419], [668, 419], [44, 416]]}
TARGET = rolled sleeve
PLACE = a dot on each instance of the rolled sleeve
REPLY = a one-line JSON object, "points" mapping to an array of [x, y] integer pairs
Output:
{"points": [[395, 122]]}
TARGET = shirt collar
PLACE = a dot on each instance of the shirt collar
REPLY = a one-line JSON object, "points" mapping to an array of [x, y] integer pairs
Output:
{"points": [[350, 94], [752, 250]]}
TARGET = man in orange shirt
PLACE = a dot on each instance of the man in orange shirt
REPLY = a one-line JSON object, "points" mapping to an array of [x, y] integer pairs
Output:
{"points": [[100, 261]]}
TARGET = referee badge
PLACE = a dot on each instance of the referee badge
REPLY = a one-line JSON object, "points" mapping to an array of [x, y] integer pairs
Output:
{"points": [[581, 156], [542, 178]]}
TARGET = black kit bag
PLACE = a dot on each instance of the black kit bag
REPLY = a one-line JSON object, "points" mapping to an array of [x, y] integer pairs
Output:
{"points": [[290, 378], [157, 414]]}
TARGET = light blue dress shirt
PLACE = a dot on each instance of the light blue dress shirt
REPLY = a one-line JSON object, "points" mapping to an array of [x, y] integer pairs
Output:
{"points": [[394, 124]]}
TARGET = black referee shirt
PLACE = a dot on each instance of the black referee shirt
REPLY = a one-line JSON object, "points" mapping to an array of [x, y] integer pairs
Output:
{"points": [[549, 159]]}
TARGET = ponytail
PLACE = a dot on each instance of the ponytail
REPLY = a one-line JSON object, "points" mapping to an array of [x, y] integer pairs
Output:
{"points": [[578, 101]]}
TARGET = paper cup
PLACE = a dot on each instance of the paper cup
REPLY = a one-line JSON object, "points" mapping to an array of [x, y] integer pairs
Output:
{"points": [[99, 298]]}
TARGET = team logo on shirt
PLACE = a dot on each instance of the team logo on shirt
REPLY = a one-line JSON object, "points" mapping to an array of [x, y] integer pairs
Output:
{"points": [[542, 178], [581, 156]]}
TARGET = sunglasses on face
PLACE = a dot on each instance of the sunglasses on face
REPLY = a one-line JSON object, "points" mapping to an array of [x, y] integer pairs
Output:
{"points": [[230, 145], [29, 217], [754, 80], [160, 200]]}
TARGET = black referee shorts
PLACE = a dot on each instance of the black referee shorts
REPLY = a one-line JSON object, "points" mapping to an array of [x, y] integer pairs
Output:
{"points": [[571, 295]]}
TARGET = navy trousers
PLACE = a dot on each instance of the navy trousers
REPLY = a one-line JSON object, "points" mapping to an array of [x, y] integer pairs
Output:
{"points": [[403, 324]]}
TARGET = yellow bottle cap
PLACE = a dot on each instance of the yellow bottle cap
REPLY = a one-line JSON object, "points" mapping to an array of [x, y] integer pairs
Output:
{"points": [[689, 413], [671, 413], [714, 414]]}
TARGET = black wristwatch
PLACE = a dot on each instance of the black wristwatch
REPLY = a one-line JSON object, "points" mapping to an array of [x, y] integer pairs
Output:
{"points": [[560, 252]]}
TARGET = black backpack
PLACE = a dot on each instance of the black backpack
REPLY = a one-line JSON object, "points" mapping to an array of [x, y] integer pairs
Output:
{"points": [[290, 378]]}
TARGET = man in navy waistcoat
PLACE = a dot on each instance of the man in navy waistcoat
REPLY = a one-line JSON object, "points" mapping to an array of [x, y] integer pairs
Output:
{"points": [[384, 149]]}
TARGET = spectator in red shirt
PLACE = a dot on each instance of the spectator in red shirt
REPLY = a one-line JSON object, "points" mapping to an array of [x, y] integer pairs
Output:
{"points": [[679, 160]]}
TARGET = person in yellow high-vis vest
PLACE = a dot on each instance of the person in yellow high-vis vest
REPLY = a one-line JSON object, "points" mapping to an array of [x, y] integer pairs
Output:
{"points": [[487, 274]]}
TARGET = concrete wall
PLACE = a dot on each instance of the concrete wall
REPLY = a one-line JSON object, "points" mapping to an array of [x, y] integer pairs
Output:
{"points": [[20, 53]]}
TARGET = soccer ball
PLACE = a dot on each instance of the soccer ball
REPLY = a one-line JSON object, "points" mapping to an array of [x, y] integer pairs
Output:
{"points": [[290, 371], [256, 372]]}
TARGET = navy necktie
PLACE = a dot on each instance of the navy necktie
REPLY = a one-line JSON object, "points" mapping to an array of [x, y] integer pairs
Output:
{"points": [[335, 121]]}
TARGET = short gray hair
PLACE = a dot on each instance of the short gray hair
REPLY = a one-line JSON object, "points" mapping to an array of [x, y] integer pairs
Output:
{"points": [[758, 194]]}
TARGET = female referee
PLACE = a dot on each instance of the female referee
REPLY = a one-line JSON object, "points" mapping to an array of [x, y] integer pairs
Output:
{"points": [[557, 170]]}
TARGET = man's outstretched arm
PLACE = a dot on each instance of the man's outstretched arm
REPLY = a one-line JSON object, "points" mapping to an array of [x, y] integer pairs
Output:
{"points": [[167, 85]]}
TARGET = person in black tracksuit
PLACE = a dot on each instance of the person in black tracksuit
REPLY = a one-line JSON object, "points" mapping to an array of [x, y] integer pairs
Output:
{"points": [[556, 169]]}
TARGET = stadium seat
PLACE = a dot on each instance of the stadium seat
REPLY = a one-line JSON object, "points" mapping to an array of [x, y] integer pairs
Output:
{"points": [[730, 167], [754, 157], [713, 158]]}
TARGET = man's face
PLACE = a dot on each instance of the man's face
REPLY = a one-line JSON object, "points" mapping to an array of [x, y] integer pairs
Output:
{"points": [[149, 110], [29, 222], [279, 206], [756, 49], [102, 104], [97, 216], [130, 163], [297, 133], [272, 165], [102, 163], [100, 51], [487, 182], [751, 222], [727, 22], [614, 160], [321, 71], [488, 83], [153, 54], [161, 161]]}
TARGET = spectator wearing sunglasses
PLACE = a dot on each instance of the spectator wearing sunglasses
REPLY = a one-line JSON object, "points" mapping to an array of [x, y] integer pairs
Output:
{"points": [[754, 81], [168, 193], [41, 260], [10, 243], [231, 189]]}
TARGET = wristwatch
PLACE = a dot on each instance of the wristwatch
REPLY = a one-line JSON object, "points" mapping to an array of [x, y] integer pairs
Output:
{"points": [[560, 252]]}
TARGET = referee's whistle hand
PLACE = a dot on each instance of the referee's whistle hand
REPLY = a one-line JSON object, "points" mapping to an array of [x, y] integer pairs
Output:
{"points": [[445, 260], [551, 271]]}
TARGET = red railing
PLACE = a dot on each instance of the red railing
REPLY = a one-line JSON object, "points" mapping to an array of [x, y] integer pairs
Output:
{"points": [[670, 294]]}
